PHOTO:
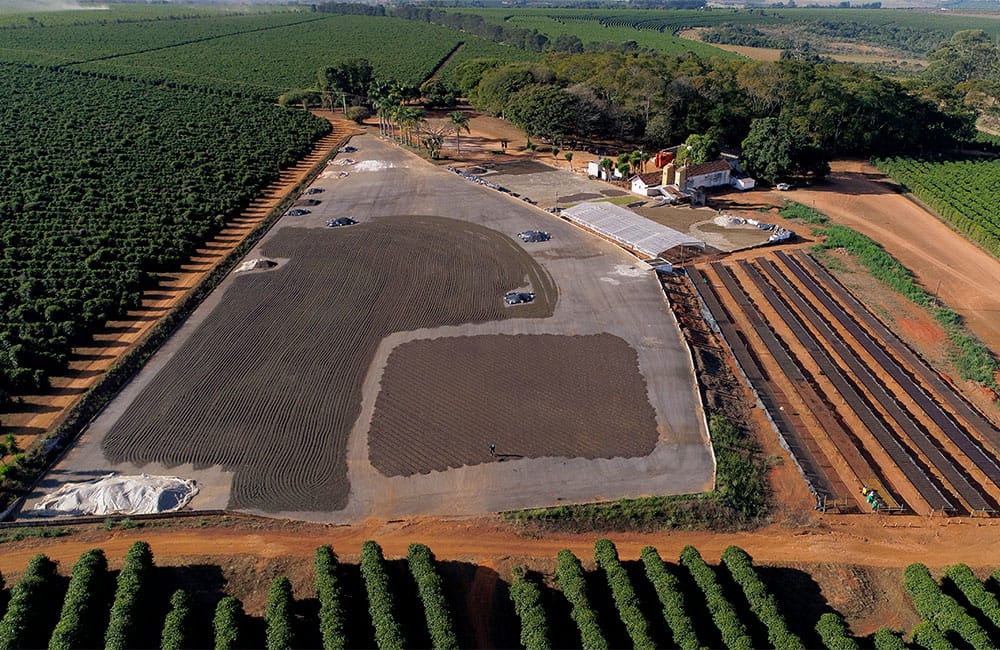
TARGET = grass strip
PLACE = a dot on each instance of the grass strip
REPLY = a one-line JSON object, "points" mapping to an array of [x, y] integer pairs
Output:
{"points": [[738, 502]]}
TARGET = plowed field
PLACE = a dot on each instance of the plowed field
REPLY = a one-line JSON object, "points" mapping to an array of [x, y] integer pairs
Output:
{"points": [[443, 401], [269, 387]]}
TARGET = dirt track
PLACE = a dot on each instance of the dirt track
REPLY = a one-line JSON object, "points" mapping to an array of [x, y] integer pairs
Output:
{"points": [[867, 540]]}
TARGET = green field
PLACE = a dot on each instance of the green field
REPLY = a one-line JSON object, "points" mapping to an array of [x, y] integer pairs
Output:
{"points": [[19, 16], [63, 44], [257, 55]]}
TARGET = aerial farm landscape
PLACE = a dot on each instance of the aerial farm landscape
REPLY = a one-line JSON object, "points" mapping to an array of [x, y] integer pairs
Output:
{"points": [[539, 325]]}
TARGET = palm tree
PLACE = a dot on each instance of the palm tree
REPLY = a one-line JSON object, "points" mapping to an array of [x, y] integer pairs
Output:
{"points": [[459, 122], [569, 158], [635, 159], [606, 165]]}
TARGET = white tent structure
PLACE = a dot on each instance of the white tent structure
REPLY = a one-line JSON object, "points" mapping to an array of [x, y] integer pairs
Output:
{"points": [[628, 228]]}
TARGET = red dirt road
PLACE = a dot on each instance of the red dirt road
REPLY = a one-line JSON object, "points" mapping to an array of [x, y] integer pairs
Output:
{"points": [[867, 540], [964, 276]]}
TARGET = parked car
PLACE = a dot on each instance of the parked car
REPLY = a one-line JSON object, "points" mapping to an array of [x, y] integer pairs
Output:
{"points": [[534, 236], [783, 187], [340, 221], [315, 190], [298, 212], [518, 297]]}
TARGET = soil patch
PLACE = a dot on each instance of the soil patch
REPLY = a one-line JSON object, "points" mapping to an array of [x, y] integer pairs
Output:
{"points": [[518, 167], [270, 390], [443, 401], [579, 196]]}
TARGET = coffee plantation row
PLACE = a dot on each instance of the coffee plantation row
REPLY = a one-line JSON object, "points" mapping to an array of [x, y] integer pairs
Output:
{"points": [[965, 193], [112, 182], [407, 603]]}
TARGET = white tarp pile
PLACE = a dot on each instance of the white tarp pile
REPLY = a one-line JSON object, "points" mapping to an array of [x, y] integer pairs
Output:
{"points": [[120, 495]]}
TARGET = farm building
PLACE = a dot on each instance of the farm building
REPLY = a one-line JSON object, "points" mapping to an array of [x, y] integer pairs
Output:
{"points": [[595, 170], [646, 184]]}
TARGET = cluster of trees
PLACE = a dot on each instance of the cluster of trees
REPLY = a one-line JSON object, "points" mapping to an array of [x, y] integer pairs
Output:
{"points": [[820, 109], [114, 181], [833, 631], [177, 625]]}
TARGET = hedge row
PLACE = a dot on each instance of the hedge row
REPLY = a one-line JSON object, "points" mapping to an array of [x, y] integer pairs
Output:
{"points": [[176, 627], [29, 598], [331, 607], [668, 590], [762, 602], [80, 621], [569, 577], [626, 600], [974, 591], [388, 634], [734, 632], [227, 623], [833, 631], [129, 593], [937, 607], [886, 639], [278, 615], [431, 588], [527, 599]]}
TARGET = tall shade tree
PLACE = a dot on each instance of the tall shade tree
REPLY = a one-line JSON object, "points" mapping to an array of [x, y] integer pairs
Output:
{"points": [[775, 150]]}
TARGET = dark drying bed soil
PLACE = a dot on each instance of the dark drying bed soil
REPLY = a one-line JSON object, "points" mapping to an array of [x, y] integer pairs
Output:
{"points": [[269, 385], [443, 401]]}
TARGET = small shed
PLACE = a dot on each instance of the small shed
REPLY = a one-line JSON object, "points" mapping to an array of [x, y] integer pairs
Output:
{"points": [[646, 184]]}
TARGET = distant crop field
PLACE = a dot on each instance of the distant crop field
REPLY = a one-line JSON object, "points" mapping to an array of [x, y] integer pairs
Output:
{"points": [[62, 44], [965, 192], [656, 28], [267, 63], [26, 14]]}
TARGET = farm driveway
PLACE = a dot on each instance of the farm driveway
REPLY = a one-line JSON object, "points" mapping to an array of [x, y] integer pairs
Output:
{"points": [[601, 289]]}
